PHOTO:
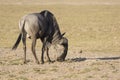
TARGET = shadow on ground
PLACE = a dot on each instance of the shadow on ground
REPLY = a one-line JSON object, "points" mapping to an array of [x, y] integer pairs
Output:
{"points": [[103, 58]]}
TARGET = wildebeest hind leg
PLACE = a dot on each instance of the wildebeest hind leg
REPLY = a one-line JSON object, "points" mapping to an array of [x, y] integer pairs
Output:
{"points": [[24, 46], [33, 49]]}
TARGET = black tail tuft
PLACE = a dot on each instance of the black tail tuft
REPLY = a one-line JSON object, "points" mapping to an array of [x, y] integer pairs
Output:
{"points": [[17, 42]]}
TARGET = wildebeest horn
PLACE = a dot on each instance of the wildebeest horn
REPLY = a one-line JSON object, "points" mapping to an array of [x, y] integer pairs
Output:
{"points": [[63, 34]]}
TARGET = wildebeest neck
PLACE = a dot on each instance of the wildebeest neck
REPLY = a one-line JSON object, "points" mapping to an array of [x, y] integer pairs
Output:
{"points": [[57, 35]]}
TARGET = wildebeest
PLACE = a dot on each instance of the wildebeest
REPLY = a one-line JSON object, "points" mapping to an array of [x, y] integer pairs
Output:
{"points": [[41, 26]]}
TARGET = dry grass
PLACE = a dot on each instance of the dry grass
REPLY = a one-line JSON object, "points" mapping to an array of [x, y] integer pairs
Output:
{"points": [[89, 27]]}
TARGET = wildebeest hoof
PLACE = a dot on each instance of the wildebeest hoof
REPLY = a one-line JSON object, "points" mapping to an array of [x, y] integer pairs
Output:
{"points": [[37, 62], [42, 62], [60, 60], [51, 61]]}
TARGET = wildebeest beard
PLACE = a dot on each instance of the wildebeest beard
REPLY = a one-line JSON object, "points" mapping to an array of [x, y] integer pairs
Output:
{"points": [[62, 48]]}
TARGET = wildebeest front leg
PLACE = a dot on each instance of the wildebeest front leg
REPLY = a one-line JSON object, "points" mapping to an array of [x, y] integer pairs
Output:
{"points": [[50, 61], [48, 55], [33, 49], [24, 46]]}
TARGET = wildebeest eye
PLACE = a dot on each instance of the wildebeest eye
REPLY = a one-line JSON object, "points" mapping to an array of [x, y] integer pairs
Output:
{"points": [[65, 41], [64, 44]]}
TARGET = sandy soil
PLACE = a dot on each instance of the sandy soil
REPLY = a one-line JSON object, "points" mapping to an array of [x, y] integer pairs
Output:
{"points": [[78, 66]]}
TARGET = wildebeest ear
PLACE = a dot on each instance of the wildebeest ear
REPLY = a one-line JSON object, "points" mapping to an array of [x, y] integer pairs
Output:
{"points": [[63, 34]]}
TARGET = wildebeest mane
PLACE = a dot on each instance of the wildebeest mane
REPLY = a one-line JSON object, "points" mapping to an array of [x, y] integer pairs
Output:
{"points": [[55, 34]]}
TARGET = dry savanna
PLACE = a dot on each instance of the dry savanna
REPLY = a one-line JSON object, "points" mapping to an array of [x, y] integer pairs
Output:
{"points": [[92, 28]]}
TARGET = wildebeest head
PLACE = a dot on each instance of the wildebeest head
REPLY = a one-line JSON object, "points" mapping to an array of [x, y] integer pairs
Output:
{"points": [[62, 48]]}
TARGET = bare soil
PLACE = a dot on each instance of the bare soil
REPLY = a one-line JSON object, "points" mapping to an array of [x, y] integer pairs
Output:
{"points": [[79, 65]]}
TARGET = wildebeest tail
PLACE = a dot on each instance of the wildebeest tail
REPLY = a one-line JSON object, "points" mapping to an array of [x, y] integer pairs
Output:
{"points": [[17, 42]]}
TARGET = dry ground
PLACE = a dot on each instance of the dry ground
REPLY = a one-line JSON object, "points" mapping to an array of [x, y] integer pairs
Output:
{"points": [[92, 26], [78, 66]]}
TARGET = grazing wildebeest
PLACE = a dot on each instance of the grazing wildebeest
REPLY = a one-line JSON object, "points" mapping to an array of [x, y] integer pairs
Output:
{"points": [[41, 26]]}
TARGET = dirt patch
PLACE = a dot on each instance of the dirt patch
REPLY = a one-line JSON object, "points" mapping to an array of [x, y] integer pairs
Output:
{"points": [[78, 66]]}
